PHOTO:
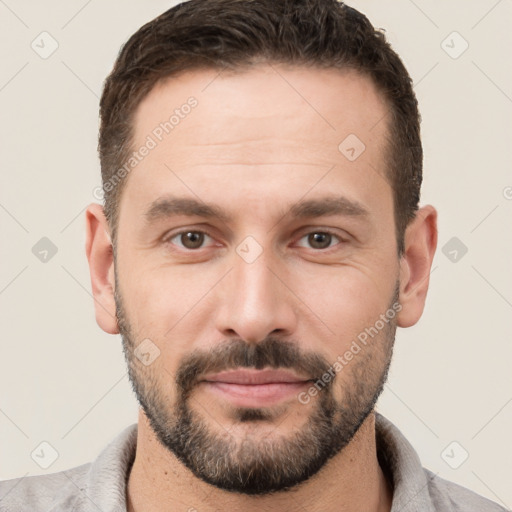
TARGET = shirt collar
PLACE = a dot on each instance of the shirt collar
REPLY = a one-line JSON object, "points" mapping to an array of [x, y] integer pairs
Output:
{"points": [[107, 477], [401, 463]]}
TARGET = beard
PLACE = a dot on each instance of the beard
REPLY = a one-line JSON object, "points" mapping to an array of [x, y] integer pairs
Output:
{"points": [[253, 463]]}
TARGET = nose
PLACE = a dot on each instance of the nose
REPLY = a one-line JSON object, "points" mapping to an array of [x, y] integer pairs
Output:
{"points": [[255, 301]]}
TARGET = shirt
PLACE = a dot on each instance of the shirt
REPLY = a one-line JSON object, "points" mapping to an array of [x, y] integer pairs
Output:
{"points": [[101, 485]]}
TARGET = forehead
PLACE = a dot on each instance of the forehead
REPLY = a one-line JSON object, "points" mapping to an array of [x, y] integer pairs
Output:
{"points": [[263, 127], [263, 101]]}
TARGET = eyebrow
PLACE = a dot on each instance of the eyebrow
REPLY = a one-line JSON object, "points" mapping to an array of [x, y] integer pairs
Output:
{"points": [[169, 206], [337, 205]]}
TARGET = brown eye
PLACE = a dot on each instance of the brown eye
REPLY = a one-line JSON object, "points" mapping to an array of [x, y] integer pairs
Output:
{"points": [[189, 239], [319, 240], [192, 239]]}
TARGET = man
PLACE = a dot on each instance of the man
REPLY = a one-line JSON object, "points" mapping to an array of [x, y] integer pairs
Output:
{"points": [[260, 242]]}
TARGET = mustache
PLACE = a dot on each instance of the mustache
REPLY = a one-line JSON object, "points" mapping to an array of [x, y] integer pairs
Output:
{"points": [[236, 353]]}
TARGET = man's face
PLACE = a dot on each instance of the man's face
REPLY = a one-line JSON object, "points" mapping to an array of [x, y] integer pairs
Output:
{"points": [[300, 263]]}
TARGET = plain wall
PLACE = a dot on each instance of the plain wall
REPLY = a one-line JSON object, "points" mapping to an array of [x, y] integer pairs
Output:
{"points": [[64, 381]]}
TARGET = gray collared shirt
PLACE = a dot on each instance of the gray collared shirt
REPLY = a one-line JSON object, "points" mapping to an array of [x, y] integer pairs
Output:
{"points": [[101, 484]]}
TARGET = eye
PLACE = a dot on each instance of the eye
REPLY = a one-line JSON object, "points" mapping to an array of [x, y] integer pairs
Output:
{"points": [[189, 239], [319, 240]]}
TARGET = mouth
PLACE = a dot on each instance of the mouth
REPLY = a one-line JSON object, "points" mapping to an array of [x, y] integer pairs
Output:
{"points": [[255, 388]]}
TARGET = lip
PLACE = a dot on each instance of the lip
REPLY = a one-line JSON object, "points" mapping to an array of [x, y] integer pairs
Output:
{"points": [[255, 388], [255, 377]]}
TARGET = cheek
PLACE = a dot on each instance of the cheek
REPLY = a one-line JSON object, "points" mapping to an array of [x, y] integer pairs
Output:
{"points": [[344, 302], [161, 290], [170, 306]]}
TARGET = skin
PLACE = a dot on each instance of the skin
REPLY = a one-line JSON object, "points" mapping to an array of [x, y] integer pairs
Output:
{"points": [[255, 147]]}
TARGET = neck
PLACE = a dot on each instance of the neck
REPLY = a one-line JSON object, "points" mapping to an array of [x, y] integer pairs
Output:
{"points": [[352, 480]]}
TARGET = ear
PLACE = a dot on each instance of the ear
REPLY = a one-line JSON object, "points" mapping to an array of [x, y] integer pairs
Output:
{"points": [[100, 255], [420, 242]]}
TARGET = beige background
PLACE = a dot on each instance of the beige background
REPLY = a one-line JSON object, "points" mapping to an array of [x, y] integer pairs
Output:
{"points": [[64, 381]]}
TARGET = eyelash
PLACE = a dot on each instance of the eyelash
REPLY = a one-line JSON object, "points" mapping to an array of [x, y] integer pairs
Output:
{"points": [[326, 232], [168, 239]]}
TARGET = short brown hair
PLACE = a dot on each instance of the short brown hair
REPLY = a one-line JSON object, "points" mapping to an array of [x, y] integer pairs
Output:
{"points": [[237, 34]]}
